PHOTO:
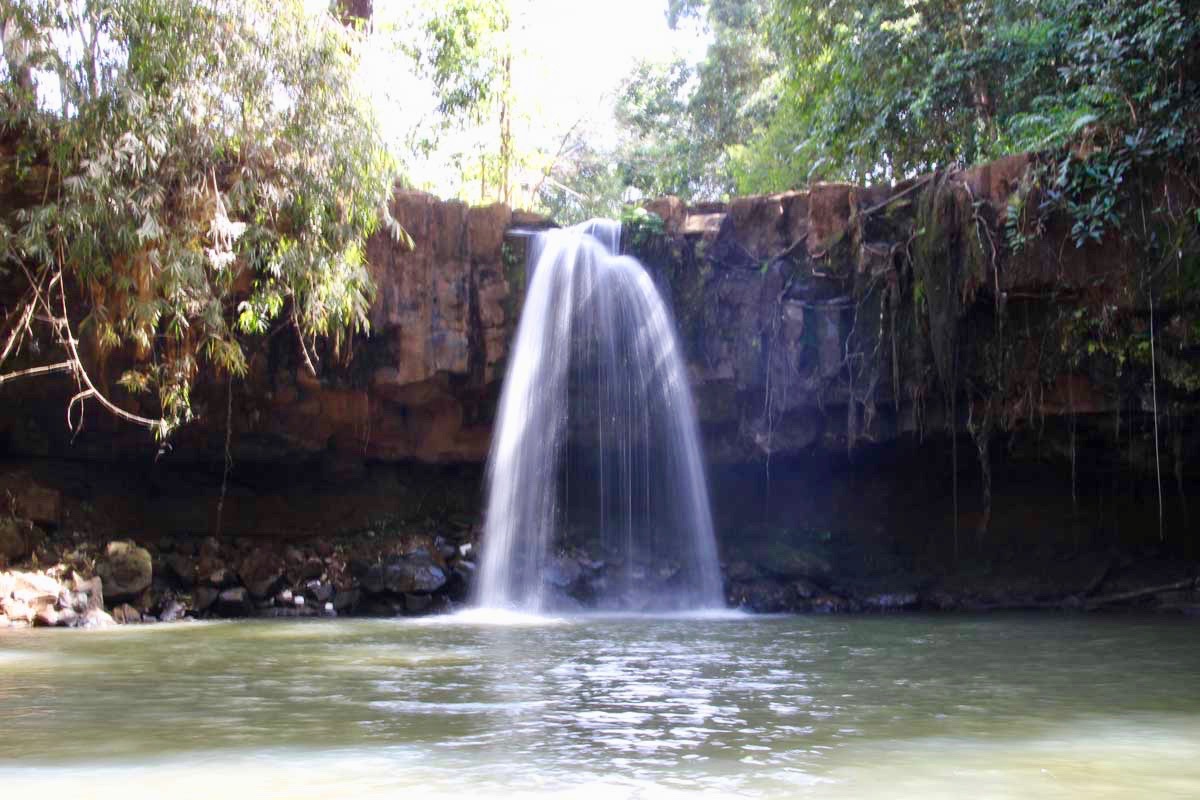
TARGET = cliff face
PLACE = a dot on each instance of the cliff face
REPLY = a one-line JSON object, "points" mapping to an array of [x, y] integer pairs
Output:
{"points": [[830, 321], [845, 316]]}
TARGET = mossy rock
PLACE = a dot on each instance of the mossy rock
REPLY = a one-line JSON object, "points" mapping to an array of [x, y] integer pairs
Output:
{"points": [[126, 570]]}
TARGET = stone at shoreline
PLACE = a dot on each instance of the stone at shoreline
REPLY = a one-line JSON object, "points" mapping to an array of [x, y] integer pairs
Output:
{"points": [[92, 588], [262, 572], [891, 601], [126, 570], [180, 568], [220, 577], [204, 597], [832, 604], [17, 610], [234, 602], [413, 574], [125, 614], [786, 561], [95, 618], [46, 617], [417, 603], [172, 611], [346, 601], [307, 570], [319, 591], [46, 600]]}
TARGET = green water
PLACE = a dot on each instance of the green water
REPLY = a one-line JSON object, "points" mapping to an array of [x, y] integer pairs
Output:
{"points": [[907, 706]]}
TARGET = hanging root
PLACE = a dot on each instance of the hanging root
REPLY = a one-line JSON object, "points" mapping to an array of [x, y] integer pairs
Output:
{"points": [[228, 455], [1154, 391], [982, 434]]}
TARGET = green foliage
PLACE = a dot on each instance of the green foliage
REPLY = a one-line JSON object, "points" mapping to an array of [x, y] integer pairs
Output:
{"points": [[883, 90], [681, 121], [584, 183], [210, 169], [640, 227], [464, 55], [464, 50]]}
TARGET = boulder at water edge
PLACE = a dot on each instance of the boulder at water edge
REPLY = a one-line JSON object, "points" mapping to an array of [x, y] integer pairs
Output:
{"points": [[126, 570]]}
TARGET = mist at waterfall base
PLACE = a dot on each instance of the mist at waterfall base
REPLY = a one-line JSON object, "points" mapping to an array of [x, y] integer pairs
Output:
{"points": [[596, 493]]}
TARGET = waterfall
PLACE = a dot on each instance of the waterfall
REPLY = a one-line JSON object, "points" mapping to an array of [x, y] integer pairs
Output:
{"points": [[596, 447]]}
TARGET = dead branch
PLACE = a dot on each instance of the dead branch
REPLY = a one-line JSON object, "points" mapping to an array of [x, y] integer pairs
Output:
{"points": [[880, 206], [62, 366], [1107, 600]]}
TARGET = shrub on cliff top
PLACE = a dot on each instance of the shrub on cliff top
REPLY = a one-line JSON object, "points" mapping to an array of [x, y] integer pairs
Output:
{"points": [[182, 174]]}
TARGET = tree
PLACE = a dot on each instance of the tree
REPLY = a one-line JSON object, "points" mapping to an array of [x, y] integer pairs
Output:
{"points": [[681, 121], [884, 90], [187, 174], [463, 48]]}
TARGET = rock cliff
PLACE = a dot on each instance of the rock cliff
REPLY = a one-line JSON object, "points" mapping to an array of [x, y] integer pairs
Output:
{"points": [[896, 328]]}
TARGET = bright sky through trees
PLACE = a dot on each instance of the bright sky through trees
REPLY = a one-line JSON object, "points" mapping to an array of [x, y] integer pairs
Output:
{"points": [[569, 59]]}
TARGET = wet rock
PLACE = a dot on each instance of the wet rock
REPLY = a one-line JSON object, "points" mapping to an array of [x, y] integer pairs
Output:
{"points": [[764, 596], [92, 589], [346, 601], [891, 601], [234, 602], [220, 578], [204, 597], [372, 579], [125, 614], [46, 617], [172, 611], [126, 570], [741, 571], [17, 611], [319, 591], [417, 603], [261, 572], [806, 589], [96, 618], [181, 569], [31, 593], [831, 604], [444, 548], [785, 561], [562, 572], [307, 570], [292, 611], [382, 606], [413, 574]]}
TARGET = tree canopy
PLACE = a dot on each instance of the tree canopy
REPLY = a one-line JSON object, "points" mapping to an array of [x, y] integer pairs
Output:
{"points": [[185, 173], [792, 91]]}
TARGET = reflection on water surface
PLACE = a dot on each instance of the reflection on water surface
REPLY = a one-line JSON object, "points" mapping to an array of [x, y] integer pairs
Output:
{"points": [[996, 707]]}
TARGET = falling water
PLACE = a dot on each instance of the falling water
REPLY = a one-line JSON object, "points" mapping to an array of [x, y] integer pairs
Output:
{"points": [[596, 447]]}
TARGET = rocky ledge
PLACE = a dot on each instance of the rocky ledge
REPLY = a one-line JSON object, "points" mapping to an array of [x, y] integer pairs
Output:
{"points": [[93, 584]]}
